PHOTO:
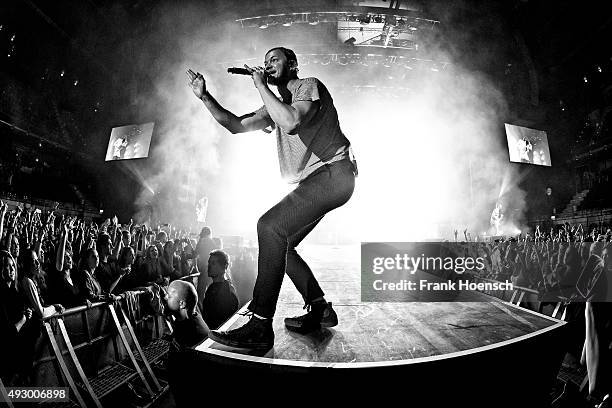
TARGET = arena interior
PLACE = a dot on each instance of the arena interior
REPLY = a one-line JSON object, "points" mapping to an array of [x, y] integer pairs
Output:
{"points": [[129, 217]]}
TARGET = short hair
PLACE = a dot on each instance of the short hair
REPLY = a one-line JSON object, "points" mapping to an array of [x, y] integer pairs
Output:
{"points": [[224, 256], [85, 257], [162, 234], [103, 239], [206, 231], [289, 54], [123, 256], [188, 293]]}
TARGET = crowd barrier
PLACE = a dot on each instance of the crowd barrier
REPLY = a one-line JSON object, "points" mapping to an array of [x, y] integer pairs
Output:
{"points": [[527, 297], [4, 395], [96, 350]]}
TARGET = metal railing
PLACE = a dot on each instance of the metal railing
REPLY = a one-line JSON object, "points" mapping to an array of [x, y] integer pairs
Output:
{"points": [[519, 294], [99, 324]]}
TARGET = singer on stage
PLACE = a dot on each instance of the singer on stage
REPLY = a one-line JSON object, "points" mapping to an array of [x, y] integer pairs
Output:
{"points": [[314, 153]]}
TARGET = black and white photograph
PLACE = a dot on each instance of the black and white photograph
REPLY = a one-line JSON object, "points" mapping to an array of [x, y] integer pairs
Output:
{"points": [[305, 202]]}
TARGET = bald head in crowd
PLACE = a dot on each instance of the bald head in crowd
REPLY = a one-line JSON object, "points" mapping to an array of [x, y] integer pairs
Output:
{"points": [[189, 327], [182, 298]]}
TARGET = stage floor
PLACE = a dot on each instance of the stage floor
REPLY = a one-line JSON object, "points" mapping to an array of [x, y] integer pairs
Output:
{"points": [[382, 334]]}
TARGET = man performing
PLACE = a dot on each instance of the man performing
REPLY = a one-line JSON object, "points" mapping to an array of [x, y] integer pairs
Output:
{"points": [[119, 147], [314, 153], [497, 217]]}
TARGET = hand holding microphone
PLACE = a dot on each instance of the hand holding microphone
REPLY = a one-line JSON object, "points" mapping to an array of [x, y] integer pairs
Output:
{"points": [[258, 74], [238, 71]]}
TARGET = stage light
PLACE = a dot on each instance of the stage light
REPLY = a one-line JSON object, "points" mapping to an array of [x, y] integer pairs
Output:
{"points": [[101, 211], [62, 73], [412, 28], [13, 37], [585, 79], [76, 82], [599, 69], [364, 20], [263, 25], [313, 20], [287, 22]]}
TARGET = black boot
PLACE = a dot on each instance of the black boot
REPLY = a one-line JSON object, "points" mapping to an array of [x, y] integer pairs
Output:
{"points": [[255, 334], [320, 314]]}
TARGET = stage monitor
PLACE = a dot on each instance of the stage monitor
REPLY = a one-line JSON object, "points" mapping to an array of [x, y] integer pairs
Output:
{"points": [[129, 142], [527, 145]]}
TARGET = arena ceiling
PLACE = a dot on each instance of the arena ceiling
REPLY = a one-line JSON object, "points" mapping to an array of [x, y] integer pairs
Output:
{"points": [[71, 47]]}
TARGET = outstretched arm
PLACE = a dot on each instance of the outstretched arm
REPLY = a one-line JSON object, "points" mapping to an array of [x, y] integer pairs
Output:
{"points": [[235, 124], [3, 210], [61, 251]]}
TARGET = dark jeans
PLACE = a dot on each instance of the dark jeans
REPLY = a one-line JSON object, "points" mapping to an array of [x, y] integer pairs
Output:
{"points": [[286, 224]]}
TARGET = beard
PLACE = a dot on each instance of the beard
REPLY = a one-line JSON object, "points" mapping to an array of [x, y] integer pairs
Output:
{"points": [[280, 77], [272, 80]]}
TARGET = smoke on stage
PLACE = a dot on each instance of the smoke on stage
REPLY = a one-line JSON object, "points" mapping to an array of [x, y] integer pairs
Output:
{"points": [[431, 156]]}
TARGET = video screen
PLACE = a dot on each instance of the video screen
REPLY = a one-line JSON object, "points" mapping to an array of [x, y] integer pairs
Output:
{"points": [[129, 142], [527, 145]]}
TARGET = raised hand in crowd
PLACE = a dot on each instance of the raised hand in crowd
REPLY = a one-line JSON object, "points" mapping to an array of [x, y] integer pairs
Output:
{"points": [[3, 211]]}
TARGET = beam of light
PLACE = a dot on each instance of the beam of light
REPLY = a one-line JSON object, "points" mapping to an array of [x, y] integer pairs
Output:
{"points": [[406, 183], [414, 151], [133, 170], [248, 183]]}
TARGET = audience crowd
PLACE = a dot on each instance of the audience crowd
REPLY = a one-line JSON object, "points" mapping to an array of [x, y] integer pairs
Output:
{"points": [[50, 262], [565, 261], [568, 264]]}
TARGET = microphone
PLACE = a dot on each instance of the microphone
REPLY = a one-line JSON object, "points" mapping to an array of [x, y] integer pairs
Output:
{"points": [[238, 71]]}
